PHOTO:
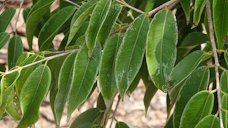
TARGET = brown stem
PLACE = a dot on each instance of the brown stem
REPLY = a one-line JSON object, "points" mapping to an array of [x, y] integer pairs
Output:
{"points": [[217, 65]]}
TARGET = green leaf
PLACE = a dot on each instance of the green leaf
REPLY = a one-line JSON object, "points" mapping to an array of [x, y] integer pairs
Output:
{"points": [[97, 19], [7, 86], [149, 94], [193, 40], [186, 66], [209, 121], [186, 7], [64, 85], [86, 71], [87, 119], [37, 12], [198, 10], [196, 82], [26, 71], [12, 109], [80, 17], [225, 110], [15, 49], [199, 106], [226, 57], [220, 12], [109, 22], [106, 75], [161, 48], [121, 125], [4, 37], [33, 93], [224, 82], [130, 54], [5, 18], [53, 25], [169, 122]]}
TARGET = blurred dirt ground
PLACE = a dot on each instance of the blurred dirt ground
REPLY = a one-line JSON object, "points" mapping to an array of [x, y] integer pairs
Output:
{"points": [[131, 110]]}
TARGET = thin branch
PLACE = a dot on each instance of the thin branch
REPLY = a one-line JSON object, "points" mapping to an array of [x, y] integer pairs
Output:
{"points": [[40, 61], [78, 6], [17, 18], [170, 4], [129, 6], [217, 65], [114, 113]]}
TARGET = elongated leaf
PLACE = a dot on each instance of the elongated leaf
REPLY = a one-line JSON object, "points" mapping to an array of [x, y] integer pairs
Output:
{"points": [[15, 49], [226, 57], [198, 10], [106, 75], [27, 71], [86, 71], [194, 39], [79, 18], [12, 110], [186, 7], [199, 106], [97, 19], [224, 82], [220, 12], [121, 125], [186, 66], [196, 82], [161, 48], [53, 25], [33, 93], [34, 16], [109, 22], [87, 119], [130, 54], [169, 122], [225, 110], [64, 85], [209, 121], [5, 18], [7, 85], [149, 94], [4, 37], [55, 67]]}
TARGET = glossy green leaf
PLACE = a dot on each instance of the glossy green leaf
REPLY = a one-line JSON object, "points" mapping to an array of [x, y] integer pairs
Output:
{"points": [[130, 54], [186, 66], [4, 37], [225, 110], [199, 106], [194, 39], [198, 10], [209, 121], [87, 119], [109, 22], [106, 74], [53, 25], [64, 85], [86, 71], [121, 125], [26, 72], [80, 17], [97, 19], [33, 93], [37, 12], [220, 20], [224, 82], [161, 48], [169, 122], [15, 49], [186, 7], [5, 18], [197, 81]]}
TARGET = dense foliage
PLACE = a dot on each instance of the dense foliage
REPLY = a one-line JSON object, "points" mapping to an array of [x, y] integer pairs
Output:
{"points": [[176, 46]]}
